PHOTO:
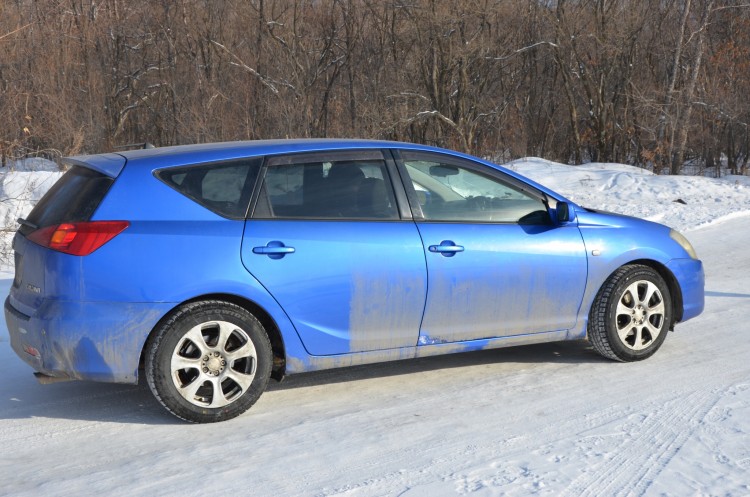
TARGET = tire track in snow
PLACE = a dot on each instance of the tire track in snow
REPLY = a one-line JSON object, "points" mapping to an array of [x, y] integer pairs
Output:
{"points": [[645, 452], [449, 462]]}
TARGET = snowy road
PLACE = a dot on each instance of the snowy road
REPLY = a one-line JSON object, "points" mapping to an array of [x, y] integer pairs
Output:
{"points": [[543, 420]]}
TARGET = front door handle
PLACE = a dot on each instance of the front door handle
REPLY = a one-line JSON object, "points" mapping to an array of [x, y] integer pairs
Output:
{"points": [[447, 248], [274, 250]]}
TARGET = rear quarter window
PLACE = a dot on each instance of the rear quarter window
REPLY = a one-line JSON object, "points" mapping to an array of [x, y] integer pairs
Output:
{"points": [[73, 199], [224, 188]]}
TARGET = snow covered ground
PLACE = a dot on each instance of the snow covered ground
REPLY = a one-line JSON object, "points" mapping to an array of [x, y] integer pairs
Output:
{"points": [[550, 420]]}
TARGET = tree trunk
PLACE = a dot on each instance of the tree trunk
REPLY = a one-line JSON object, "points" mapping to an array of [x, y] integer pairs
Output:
{"points": [[684, 122], [661, 157]]}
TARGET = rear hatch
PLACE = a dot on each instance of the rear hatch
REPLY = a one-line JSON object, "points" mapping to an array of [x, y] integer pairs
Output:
{"points": [[73, 199]]}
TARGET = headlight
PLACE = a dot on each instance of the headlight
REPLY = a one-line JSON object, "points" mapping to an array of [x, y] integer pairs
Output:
{"points": [[684, 243]]}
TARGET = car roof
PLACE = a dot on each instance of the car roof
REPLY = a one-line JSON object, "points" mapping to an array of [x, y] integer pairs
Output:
{"points": [[112, 164], [150, 159]]}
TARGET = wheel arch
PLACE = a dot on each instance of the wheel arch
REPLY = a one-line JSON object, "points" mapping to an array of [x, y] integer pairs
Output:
{"points": [[674, 287], [269, 324]]}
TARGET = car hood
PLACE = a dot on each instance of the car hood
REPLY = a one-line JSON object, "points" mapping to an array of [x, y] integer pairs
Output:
{"points": [[595, 217]]}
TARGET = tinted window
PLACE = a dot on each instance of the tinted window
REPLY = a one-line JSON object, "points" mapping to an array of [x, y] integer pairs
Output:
{"points": [[448, 191], [74, 198], [224, 188], [351, 189]]}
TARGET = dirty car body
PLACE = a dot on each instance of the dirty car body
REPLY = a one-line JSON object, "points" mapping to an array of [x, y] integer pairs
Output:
{"points": [[212, 267]]}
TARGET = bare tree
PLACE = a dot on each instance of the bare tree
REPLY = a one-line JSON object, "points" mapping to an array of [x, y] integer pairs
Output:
{"points": [[650, 82]]}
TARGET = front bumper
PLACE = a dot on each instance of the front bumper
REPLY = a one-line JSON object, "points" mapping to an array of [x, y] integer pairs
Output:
{"points": [[98, 341], [689, 275]]}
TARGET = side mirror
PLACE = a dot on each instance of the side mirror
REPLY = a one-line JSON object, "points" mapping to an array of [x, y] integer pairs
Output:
{"points": [[563, 212]]}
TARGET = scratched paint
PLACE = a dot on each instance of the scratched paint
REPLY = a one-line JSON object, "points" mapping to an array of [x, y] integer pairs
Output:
{"points": [[509, 280], [507, 301], [349, 286], [74, 346], [316, 363], [385, 310]]}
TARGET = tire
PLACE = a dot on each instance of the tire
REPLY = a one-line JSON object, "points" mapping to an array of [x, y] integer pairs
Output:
{"points": [[209, 361], [631, 314]]}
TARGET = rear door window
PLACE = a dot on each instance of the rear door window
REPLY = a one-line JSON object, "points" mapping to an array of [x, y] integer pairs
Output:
{"points": [[224, 188], [73, 199], [334, 187]]}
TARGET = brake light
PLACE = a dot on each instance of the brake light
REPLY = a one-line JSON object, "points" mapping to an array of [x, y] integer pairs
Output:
{"points": [[78, 238]]}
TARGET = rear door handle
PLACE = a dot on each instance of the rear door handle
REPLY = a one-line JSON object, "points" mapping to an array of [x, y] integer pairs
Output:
{"points": [[447, 248], [274, 250]]}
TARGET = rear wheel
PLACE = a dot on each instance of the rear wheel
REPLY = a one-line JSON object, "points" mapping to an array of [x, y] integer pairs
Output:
{"points": [[210, 361], [631, 314]]}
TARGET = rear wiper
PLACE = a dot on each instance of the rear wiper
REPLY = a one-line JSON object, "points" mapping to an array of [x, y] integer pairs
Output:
{"points": [[24, 222]]}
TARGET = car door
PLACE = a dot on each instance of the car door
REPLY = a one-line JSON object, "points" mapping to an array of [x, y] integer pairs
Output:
{"points": [[329, 240], [497, 265]]}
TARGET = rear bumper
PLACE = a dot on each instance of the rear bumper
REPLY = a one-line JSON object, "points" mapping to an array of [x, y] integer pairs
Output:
{"points": [[98, 341], [690, 277], [26, 345]]}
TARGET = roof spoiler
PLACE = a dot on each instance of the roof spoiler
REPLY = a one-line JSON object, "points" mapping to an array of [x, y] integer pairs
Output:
{"points": [[108, 164]]}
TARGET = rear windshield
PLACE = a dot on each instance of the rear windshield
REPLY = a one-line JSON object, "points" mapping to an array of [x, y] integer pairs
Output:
{"points": [[224, 188], [73, 199]]}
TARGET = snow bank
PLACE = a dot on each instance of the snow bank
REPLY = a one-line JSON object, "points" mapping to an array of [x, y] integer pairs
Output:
{"points": [[32, 164], [22, 185], [681, 202]]}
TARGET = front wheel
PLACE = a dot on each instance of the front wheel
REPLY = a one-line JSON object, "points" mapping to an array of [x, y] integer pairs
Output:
{"points": [[631, 314], [210, 361]]}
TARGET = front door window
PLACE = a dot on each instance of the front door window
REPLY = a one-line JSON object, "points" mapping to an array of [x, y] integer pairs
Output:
{"points": [[448, 191]]}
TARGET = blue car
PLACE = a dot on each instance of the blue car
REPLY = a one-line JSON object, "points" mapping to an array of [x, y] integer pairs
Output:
{"points": [[209, 269]]}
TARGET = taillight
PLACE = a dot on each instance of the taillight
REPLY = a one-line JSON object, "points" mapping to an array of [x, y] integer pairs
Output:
{"points": [[77, 238]]}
